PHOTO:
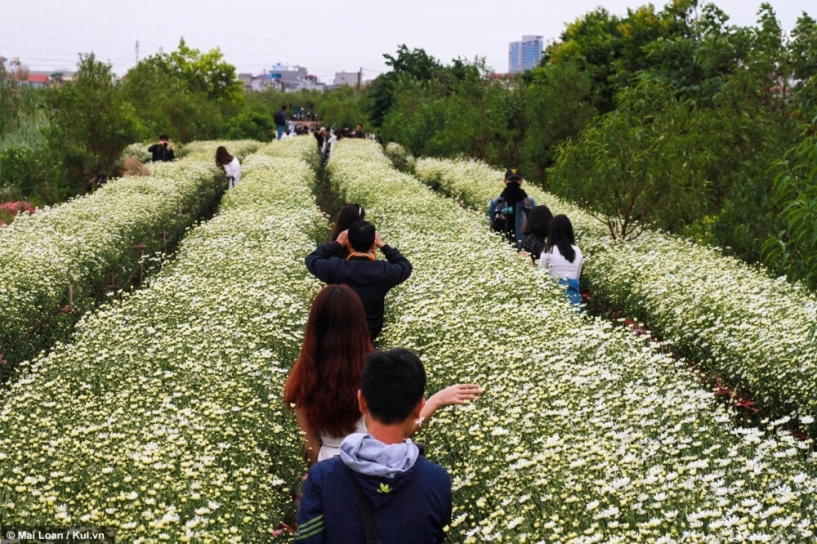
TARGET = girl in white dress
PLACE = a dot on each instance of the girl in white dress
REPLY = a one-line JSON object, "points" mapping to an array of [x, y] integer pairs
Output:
{"points": [[232, 168]]}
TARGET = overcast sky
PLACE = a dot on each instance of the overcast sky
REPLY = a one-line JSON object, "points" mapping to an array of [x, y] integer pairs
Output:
{"points": [[325, 36]]}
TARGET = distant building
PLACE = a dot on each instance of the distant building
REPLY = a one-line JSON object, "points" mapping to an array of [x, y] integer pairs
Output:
{"points": [[282, 78], [345, 78], [526, 54]]}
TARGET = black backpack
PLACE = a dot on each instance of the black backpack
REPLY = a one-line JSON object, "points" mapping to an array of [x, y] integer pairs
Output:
{"points": [[278, 118], [506, 224]]}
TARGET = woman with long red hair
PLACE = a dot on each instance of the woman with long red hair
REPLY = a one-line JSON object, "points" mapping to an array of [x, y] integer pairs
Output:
{"points": [[324, 382], [325, 379]]}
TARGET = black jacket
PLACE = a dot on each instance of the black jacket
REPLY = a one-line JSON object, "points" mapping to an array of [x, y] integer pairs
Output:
{"points": [[371, 280], [161, 153]]}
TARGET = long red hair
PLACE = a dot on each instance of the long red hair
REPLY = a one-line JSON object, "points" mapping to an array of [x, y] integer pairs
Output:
{"points": [[326, 377]]}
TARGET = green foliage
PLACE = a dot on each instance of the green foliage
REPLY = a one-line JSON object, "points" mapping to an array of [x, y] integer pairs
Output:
{"points": [[91, 124], [343, 107], [250, 125], [185, 93], [642, 164], [793, 251]]}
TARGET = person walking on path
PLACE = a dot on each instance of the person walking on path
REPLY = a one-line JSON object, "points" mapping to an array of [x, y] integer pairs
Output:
{"points": [[280, 119], [162, 151], [232, 168], [370, 278], [380, 487]]}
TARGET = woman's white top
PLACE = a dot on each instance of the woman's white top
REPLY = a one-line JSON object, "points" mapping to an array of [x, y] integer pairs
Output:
{"points": [[560, 267], [329, 145], [330, 445], [233, 170]]}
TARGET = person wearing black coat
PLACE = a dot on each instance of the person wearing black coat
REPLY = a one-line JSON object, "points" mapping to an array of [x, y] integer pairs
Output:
{"points": [[162, 151], [370, 278]]}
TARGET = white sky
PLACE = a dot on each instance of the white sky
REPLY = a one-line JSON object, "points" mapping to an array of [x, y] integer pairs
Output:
{"points": [[325, 36]]}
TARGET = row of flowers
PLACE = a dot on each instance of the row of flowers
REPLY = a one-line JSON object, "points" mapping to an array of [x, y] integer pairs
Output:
{"points": [[586, 432], [752, 331], [163, 419], [61, 261]]}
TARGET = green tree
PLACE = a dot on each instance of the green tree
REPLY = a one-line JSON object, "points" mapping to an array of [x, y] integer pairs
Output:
{"points": [[90, 127]]}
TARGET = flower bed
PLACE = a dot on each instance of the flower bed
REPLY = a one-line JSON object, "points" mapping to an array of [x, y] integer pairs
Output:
{"points": [[752, 331], [91, 243], [586, 433], [164, 419]]}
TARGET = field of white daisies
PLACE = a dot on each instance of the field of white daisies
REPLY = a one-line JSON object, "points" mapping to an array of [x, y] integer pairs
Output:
{"points": [[162, 415], [586, 433], [752, 332]]}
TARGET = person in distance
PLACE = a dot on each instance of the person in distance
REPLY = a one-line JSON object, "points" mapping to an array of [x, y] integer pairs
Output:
{"points": [[369, 277], [359, 133], [324, 381], [509, 211], [232, 168], [562, 258], [380, 487], [162, 151]]}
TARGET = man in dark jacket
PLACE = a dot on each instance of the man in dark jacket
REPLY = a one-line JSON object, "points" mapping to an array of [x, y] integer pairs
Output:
{"points": [[379, 476], [371, 279], [163, 150]]}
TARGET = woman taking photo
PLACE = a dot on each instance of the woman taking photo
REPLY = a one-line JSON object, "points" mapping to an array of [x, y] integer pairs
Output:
{"points": [[232, 168], [562, 257], [325, 379]]}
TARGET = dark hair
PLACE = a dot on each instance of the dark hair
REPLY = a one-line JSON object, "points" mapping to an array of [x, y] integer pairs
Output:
{"points": [[361, 235], [393, 382], [164, 137], [347, 215], [284, 107], [223, 156], [326, 377], [538, 220], [560, 235]]}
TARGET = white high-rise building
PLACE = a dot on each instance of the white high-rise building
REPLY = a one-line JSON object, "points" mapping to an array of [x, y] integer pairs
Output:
{"points": [[525, 54]]}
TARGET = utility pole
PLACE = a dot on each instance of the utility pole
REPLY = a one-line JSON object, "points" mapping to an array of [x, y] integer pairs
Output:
{"points": [[359, 78], [137, 51]]}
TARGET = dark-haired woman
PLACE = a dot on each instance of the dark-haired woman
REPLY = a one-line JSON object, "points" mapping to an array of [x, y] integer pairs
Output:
{"points": [[347, 215], [535, 231], [562, 257], [324, 382], [232, 168]]}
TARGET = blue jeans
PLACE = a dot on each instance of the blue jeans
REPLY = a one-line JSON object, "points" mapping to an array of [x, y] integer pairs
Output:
{"points": [[572, 292], [281, 129]]}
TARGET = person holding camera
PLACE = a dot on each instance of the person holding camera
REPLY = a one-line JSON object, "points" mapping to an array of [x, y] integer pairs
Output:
{"points": [[162, 150], [509, 211]]}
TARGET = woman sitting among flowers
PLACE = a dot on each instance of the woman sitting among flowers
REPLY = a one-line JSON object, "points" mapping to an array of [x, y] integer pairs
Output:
{"points": [[325, 379], [232, 168], [562, 258], [535, 231]]}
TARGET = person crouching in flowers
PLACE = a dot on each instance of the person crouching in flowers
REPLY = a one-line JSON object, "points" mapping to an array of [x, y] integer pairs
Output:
{"points": [[324, 381], [562, 258], [232, 168], [535, 231]]}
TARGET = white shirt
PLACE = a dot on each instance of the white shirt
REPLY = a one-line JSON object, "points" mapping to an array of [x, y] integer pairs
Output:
{"points": [[233, 170], [330, 144], [560, 267]]}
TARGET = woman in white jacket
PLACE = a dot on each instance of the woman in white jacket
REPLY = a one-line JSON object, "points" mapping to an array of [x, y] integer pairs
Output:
{"points": [[232, 168]]}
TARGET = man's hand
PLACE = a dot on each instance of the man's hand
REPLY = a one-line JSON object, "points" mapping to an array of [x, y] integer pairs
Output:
{"points": [[343, 238], [377, 241]]}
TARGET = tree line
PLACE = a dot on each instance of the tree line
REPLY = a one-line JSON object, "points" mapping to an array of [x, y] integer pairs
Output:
{"points": [[672, 118], [54, 140]]}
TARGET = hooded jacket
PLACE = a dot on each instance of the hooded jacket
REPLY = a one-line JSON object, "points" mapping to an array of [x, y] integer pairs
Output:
{"points": [[410, 496], [371, 280]]}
